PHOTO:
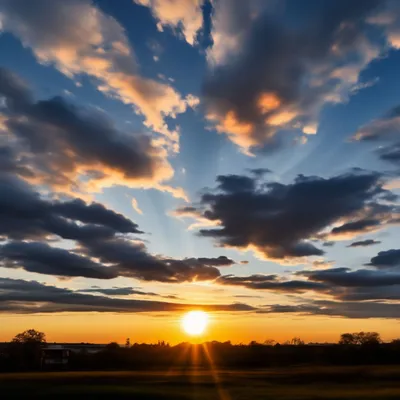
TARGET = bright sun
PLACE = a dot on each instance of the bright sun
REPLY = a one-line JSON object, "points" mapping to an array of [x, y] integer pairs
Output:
{"points": [[195, 322]]}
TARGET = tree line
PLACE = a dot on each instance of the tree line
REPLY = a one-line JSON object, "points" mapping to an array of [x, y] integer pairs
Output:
{"points": [[25, 352]]}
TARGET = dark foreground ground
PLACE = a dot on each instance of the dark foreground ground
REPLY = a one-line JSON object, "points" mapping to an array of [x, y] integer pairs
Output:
{"points": [[290, 383]]}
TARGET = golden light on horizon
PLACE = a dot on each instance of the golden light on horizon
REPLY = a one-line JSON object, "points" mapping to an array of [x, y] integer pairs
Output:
{"points": [[195, 322]]}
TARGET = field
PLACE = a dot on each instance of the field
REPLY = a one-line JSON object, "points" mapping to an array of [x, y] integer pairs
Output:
{"points": [[287, 384]]}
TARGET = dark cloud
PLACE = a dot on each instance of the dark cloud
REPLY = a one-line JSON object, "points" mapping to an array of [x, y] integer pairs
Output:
{"points": [[126, 291], [386, 259], [369, 293], [19, 296], [118, 291], [116, 257], [260, 172], [132, 259], [186, 210], [317, 58], [384, 128], [64, 145], [347, 278], [235, 183], [364, 243], [343, 309], [362, 225], [391, 153], [25, 214], [9, 162], [78, 39], [380, 283], [44, 259], [269, 282], [95, 213], [221, 261], [100, 233], [279, 220]]}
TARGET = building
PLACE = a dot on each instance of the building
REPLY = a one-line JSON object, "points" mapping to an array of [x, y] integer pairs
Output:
{"points": [[55, 356]]}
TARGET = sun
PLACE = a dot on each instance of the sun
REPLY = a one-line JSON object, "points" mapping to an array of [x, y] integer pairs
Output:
{"points": [[195, 322]]}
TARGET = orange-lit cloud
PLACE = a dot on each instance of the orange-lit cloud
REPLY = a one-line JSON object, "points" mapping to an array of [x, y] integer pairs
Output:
{"points": [[183, 15], [268, 102], [266, 77], [239, 132], [79, 39], [77, 150], [135, 206]]}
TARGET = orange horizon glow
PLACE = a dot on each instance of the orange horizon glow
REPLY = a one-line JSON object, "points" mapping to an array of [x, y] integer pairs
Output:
{"points": [[222, 327]]}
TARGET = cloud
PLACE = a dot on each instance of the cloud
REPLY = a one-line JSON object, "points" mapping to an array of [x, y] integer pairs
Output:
{"points": [[95, 213], [28, 297], [349, 229], [235, 183], [118, 291], [364, 243], [322, 264], [78, 38], [333, 289], [44, 259], [25, 214], [115, 257], [389, 19], [343, 309], [384, 128], [269, 282], [344, 284], [386, 259], [132, 259], [73, 148], [136, 207], [221, 261], [184, 16], [278, 221], [269, 73], [344, 277], [100, 234], [336, 284], [390, 153], [260, 172]]}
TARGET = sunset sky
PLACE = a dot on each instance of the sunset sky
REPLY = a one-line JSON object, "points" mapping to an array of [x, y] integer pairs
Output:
{"points": [[162, 156]]}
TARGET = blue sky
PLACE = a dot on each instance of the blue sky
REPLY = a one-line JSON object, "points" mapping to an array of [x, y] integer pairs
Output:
{"points": [[216, 89]]}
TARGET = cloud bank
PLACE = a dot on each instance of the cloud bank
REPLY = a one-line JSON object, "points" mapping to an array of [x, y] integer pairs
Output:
{"points": [[281, 222]]}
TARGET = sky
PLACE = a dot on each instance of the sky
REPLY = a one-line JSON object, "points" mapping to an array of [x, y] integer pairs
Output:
{"points": [[162, 156]]}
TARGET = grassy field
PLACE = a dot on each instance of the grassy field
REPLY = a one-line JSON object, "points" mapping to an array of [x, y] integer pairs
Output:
{"points": [[287, 384]]}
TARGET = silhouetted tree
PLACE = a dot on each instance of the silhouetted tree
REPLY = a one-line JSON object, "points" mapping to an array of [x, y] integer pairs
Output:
{"points": [[30, 336], [296, 341], [360, 338], [128, 343], [25, 349], [347, 339], [112, 346]]}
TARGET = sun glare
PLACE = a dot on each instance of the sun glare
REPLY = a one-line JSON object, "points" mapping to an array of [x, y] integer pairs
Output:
{"points": [[195, 322]]}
